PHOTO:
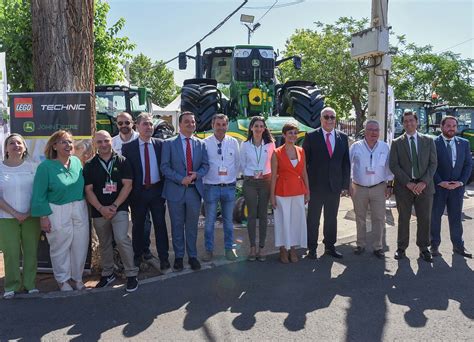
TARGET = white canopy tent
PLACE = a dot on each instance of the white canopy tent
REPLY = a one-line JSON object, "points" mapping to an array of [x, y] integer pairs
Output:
{"points": [[171, 112]]}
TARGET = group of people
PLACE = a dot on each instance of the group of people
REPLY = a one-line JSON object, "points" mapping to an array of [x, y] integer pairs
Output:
{"points": [[136, 171]]}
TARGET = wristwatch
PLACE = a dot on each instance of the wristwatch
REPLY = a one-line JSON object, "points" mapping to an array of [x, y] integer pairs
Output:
{"points": [[462, 184]]}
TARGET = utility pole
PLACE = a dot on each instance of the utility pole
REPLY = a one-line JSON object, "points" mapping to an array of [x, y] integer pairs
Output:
{"points": [[378, 75]]}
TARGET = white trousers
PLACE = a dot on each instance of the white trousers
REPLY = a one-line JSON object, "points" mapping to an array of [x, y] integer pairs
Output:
{"points": [[69, 240], [290, 222]]}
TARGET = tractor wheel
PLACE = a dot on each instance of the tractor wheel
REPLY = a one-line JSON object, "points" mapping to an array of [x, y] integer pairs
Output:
{"points": [[163, 130], [240, 210], [201, 97], [302, 100]]}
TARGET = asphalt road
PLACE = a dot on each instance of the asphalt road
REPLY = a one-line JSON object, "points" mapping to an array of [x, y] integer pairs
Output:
{"points": [[358, 298]]}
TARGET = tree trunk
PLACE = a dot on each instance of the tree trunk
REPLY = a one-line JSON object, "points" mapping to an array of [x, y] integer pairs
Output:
{"points": [[360, 113], [63, 42]]}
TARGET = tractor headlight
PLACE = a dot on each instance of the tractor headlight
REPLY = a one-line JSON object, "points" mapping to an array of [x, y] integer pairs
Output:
{"points": [[266, 53], [242, 53]]}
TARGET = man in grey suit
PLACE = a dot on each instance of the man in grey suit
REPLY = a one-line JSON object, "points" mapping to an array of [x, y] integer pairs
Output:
{"points": [[413, 161], [184, 162]]}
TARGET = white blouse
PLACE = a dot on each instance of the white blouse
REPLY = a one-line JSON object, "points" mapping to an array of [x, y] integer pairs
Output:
{"points": [[254, 158], [16, 186]]}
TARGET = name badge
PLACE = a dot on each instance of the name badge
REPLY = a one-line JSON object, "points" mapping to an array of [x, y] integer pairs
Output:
{"points": [[369, 170], [222, 171], [110, 187], [257, 174]]}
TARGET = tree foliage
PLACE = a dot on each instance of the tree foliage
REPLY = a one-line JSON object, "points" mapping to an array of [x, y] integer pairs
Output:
{"points": [[327, 61], [15, 40], [110, 50], [418, 72], [153, 75]]}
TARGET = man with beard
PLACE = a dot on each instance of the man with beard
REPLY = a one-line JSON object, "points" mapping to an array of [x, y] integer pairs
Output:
{"points": [[125, 136], [108, 182], [453, 172]]}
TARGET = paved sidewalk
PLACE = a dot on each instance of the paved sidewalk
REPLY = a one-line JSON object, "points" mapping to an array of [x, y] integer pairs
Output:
{"points": [[150, 272]]}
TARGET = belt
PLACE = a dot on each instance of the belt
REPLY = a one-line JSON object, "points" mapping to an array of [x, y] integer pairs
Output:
{"points": [[223, 184], [191, 185], [368, 187], [150, 186], [267, 176], [413, 180]]}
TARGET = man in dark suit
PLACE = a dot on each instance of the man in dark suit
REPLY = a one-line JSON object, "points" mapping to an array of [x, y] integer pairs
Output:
{"points": [[454, 170], [144, 154], [327, 161], [184, 163], [413, 161]]}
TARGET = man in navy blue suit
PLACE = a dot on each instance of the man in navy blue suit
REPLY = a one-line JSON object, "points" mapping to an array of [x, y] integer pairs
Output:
{"points": [[454, 170], [144, 155]]}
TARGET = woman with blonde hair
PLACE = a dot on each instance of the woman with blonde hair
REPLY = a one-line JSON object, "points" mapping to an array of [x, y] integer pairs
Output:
{"points": [[19, 232], [58, 199]]}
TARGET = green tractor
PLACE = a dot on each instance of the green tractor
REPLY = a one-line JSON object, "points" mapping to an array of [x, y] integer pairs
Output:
{"points": [[110, 100], [250, 73]]}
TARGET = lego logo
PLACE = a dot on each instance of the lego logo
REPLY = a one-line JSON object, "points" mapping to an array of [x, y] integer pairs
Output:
{"points": [[23, 107]]}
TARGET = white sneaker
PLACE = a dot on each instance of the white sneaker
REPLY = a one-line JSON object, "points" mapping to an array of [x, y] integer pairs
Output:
{"points": [[9, 295], [79, 285], [33, 291], [65, 287]]}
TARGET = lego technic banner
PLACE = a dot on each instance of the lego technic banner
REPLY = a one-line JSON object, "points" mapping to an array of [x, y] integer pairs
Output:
{"points": [[38, 115]]}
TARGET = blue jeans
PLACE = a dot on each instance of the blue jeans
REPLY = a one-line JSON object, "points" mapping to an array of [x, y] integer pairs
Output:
{"points": [[212, 196]]}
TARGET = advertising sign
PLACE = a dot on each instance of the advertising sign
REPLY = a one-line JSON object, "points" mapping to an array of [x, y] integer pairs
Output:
{"points": [[38, 115]]}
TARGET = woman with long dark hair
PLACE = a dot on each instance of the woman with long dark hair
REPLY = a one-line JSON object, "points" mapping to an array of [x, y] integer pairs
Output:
{"points": [[255, 157]]}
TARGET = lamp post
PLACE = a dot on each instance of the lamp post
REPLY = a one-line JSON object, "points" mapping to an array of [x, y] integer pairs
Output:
{"points": [[247, 20]]}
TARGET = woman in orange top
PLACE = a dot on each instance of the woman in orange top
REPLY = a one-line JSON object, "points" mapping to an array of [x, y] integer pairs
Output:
{"points": [[289, 194]]}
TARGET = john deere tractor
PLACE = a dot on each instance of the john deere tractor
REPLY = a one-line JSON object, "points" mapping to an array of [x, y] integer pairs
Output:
{"points": [[110, 100], [250, 74]]}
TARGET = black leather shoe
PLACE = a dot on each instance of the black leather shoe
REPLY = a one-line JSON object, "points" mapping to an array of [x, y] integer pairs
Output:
{"points": [[178, 264], [435, 251], [463, 252], [359, 250], [379, 253], [147, 255], [400, 254], [311, 254], [426, 255], [164, 265], [194, 263], [332, 252]]}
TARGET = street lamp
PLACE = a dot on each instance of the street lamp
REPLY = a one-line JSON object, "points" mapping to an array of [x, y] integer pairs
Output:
{"points": [[247, 20]]}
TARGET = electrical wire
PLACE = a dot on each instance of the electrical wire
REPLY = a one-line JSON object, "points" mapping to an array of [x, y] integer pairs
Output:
{"points": [[213, 30], [295, 2], [464, 42], [264, 14]]}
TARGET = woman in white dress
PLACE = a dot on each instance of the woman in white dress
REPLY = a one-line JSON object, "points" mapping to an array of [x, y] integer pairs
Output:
{"points": [[289, 194]]}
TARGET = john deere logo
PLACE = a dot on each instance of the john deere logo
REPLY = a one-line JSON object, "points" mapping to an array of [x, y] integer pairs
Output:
{"points": [[255, 62], [28, 126]]}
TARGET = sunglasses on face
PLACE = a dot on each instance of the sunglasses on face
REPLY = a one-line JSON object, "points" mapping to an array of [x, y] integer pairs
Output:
{"points": [[121, 123], [219, 148], [329, 117]]}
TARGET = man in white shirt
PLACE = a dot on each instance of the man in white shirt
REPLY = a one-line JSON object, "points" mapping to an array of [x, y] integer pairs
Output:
{"points": [[126, 132], [370, 173], [219, 185], [125, 136]]}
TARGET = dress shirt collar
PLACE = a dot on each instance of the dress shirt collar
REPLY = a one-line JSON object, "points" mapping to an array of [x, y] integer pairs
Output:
{"points": [[413, 135], [446, 139], [326, 132], [141, 142], [183, 137]]}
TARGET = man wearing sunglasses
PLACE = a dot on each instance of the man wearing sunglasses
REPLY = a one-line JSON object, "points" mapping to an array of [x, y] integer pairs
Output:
{"points": [[329, 169], [219, 185], [125, 136]]}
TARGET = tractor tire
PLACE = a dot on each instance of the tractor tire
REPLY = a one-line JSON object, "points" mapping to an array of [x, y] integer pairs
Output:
{"points": [[302, 100], [240, 210], [201, 97], [163, 130]]}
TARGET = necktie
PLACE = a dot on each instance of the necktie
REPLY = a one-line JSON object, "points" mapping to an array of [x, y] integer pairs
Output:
{"points": [[147, 166], [450, 151], [414, 159], [328, 144], [189, 158]]}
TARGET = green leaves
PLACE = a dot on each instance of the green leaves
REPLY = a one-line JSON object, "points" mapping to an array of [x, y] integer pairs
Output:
{"points": [[153, 75]]}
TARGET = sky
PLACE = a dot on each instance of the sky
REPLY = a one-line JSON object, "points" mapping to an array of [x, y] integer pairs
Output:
{"points": [[162, 28]]}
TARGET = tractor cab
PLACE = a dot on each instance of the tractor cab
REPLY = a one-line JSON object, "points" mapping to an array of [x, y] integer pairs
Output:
{"points": [[421, 108]]}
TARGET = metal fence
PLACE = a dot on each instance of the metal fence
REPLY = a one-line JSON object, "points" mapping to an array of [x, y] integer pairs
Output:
{"points": [[347, 126]]}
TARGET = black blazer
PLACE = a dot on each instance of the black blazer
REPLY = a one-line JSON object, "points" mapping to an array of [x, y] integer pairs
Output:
{"points": [[131, 151], [327, 174]]}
